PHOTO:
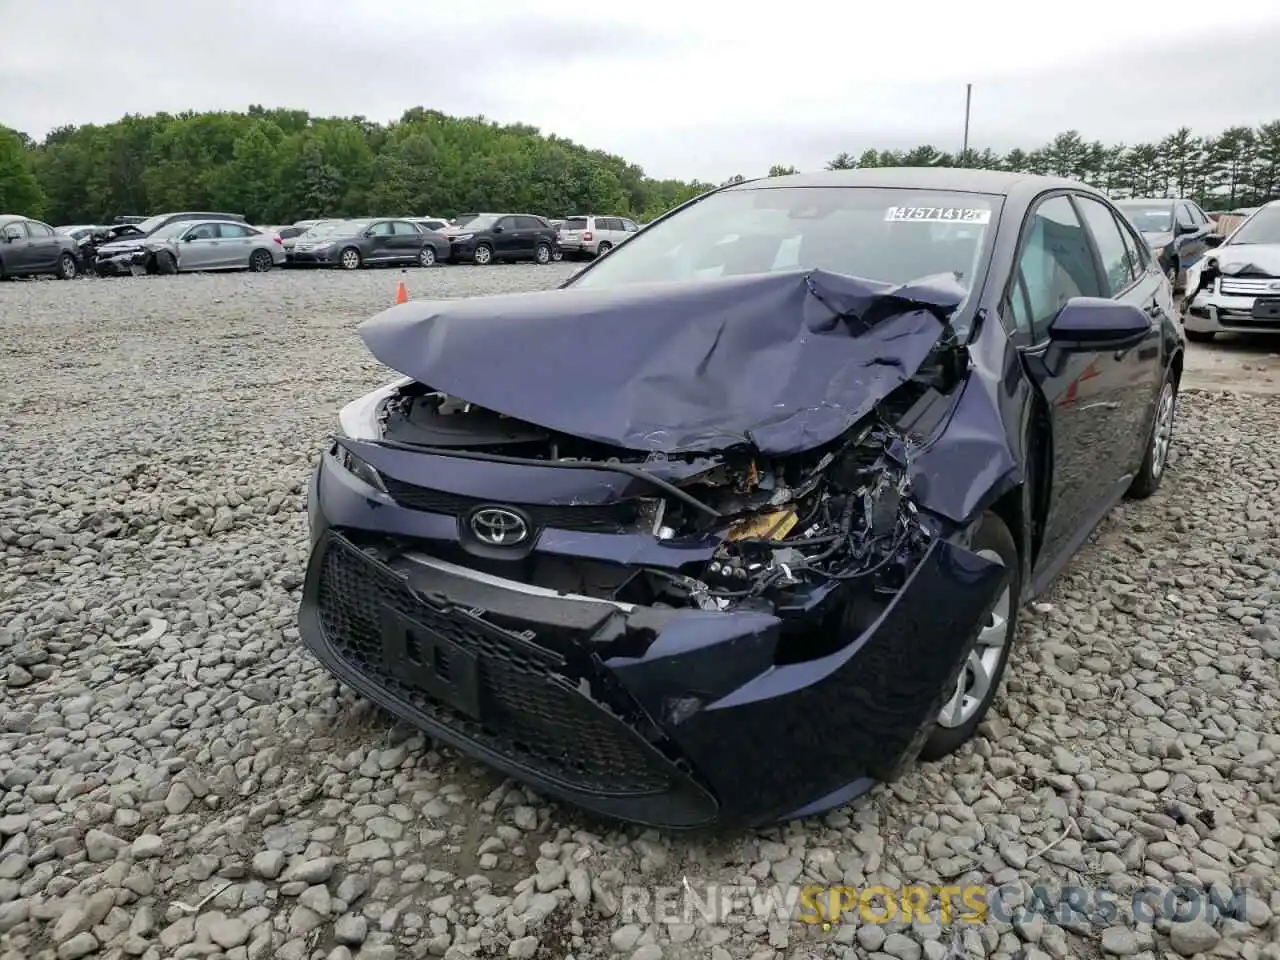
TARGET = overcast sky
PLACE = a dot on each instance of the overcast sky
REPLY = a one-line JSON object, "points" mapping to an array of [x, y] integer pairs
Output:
{"points": [[697, 88]]}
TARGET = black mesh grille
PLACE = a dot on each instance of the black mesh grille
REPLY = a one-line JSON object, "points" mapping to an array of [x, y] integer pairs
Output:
{"points": [[532, 714], [609, 518]]}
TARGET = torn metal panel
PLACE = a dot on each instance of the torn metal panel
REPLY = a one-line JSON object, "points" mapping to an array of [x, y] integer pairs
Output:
{"points": [[780, 362]]}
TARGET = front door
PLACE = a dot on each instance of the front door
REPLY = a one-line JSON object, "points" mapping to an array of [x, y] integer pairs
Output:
{"points": [[199, 248], [17, 253], [1084, 392], [506, 242], [382, 241]]}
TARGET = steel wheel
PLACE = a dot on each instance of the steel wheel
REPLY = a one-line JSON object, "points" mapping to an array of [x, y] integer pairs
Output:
{"points": [[1162, 435], [981, 669], [350, 259]]}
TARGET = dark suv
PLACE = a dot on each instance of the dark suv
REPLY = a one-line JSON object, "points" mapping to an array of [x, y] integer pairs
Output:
{"points": [[485, 237]]}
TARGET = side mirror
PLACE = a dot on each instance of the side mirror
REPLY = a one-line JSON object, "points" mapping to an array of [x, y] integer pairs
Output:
{"points": [[368, 233], [498, 229], [1093, 323], [9, 238], [1214, 239], [188, 238], [1183, 228]]}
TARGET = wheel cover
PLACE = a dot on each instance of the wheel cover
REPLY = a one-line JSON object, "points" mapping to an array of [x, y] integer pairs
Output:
{"points": [[978, 672], [1162, 434]]}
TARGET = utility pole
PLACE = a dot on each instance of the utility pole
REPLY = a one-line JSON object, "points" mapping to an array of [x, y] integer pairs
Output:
{"points": [[968, 99]]}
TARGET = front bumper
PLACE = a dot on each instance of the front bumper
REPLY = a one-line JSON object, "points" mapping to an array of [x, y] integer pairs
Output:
{"points": [[677, 718], [121, 264], [461, 251], [1213, 312], [312, 258]]}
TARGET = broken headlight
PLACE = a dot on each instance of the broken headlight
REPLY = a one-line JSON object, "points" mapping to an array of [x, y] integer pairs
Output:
{"points": [[358, 468]]}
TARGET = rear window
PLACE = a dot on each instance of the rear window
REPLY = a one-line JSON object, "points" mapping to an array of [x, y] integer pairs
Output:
{"points": [[574, 223]]}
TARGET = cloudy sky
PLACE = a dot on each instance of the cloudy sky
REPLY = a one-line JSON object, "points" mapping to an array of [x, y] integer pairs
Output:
{"points": [[698, 88]]}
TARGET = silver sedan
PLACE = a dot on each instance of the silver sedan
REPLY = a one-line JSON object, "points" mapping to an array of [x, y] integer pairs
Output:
{"points": [[187, 246]]}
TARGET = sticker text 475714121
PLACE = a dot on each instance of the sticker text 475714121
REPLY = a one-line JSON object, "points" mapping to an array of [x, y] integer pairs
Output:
{"points": [[939, 214]]}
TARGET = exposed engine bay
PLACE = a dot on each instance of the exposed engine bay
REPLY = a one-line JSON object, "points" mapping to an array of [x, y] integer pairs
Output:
{"points": [[789, 525]]}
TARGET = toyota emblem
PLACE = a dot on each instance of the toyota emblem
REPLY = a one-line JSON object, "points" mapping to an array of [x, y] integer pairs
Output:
{"points": [[498, 527]]}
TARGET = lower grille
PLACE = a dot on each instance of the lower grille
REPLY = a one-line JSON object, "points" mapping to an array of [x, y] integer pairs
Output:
{"points": [[532, 714], [609, 518]]}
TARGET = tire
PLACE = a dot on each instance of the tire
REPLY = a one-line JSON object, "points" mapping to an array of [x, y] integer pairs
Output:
{"points": [[165, 264], [483, 255], [427, 256], [557, 255], [1199, 336], [350, 259], [542, 254], [260, 261], [67, 268], [603, 249], [1156, 458], [962, 712]]}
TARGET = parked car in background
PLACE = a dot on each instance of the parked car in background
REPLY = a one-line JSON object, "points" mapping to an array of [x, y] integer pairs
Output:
{"points": [[185, 246], [368, 242], [89, 238], [128, 218], [1177, 231], [591, 236], [30, 248], [1236, 288], [818, 438], [152, 224], [483, 238]]}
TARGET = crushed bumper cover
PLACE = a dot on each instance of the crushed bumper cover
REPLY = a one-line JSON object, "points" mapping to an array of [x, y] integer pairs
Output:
{"points": [[673, 718]]}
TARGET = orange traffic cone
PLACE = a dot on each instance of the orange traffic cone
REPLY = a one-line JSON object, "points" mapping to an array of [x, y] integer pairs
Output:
{"points": [[402, 295]]}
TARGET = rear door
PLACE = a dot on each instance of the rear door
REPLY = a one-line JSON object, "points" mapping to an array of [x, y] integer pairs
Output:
{"points": [[531, 230], [407, 240], [236, 243], [1084, 392]]}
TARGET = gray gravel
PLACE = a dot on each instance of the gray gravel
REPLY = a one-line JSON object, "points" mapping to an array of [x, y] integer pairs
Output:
{"points": [[180, 779]]}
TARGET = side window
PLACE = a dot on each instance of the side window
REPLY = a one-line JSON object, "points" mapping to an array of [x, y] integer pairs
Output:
{"points": [[1182, 215], [1197, 215], [15, 231], [1138, 252], [205, 231], [404, 228], [529, 223], [629, 226], [381, 229], [1055, 265], [506, 223], [1111, 249], [38, 230], [233, 231]]}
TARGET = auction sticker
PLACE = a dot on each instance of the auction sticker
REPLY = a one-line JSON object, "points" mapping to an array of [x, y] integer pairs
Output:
{"points": [[938, 214]]}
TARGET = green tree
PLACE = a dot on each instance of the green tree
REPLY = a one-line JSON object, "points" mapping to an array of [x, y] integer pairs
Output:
{"points": [[19, 188], [782, 170]]}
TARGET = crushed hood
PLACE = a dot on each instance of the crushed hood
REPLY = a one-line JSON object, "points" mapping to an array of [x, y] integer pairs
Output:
{"points": [[1248, 258], [783, 361]]}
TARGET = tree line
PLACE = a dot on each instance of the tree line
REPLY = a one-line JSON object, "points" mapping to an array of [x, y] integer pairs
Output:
{"points": [[281, 165]]}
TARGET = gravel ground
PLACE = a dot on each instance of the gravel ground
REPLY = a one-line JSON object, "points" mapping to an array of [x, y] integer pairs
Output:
{"points": [[178, 778]]}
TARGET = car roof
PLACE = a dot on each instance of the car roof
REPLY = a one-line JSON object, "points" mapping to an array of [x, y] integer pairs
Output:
{"points": [[8, 217], [963, 180], [1149, 200]]}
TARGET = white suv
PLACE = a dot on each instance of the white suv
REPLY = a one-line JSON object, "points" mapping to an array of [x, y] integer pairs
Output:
{"points": [[592, 236]]}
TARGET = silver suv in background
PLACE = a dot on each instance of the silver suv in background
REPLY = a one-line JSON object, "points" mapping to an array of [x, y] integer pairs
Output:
{"points": [[592, 236]]}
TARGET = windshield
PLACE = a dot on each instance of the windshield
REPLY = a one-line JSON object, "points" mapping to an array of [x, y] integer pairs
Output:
{"points": [[889, 235], [477, 221], [1262, 227], [1149, 217], [151, 223]]}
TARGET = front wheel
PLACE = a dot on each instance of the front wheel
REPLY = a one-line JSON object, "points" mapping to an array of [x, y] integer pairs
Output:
{"points": [[260, 261], [483, 255], [979, 680], [1156, 458], [542, 255], [67, 267], [349, 259], [166, 264], [427, 257]]}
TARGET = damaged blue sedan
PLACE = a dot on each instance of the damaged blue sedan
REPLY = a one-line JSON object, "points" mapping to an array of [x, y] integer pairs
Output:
{"points": [[738, 521]]}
